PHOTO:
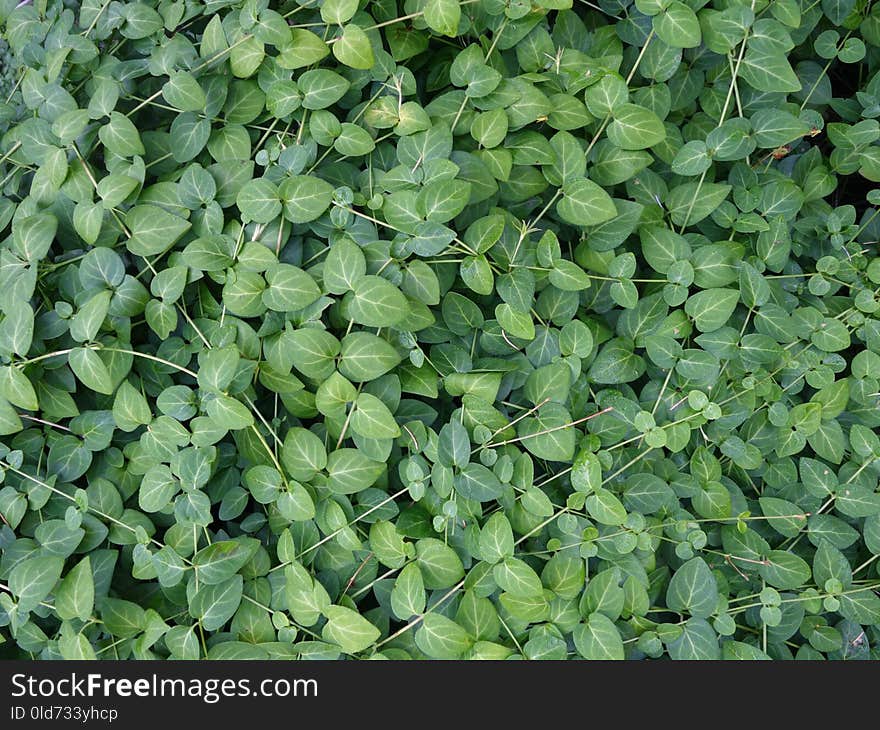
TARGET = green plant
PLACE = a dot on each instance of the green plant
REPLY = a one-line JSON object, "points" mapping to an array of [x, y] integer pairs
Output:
{"points": [[440, 329]]}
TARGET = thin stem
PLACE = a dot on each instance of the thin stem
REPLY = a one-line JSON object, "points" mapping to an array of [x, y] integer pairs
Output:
{"points": [[549, 430], [147, 356]]}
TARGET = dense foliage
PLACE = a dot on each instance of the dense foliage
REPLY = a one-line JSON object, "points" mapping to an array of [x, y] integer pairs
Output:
{"points": [[440, 329]]}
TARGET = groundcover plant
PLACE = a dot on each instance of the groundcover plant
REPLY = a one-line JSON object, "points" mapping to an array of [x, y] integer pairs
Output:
{"points": [[440, 329]]}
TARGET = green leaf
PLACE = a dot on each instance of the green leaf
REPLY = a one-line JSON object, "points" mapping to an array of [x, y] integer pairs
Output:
{"points": [[616, 363], [478, 483], [217, 367], [605, 508], [321, 88], [87, 321], [549, 435], [75, 647], [568, 276], [496, 539], [376, 302], [831, 336], [305, 48], [190, 133], [829, 563], [215, 604], [344, 266], [784, 571], [677, 26], [387, 544], [443, 16], [17, 389], [32, 579], [354, 141], [517, 578], [711, 308], [75, 597], [697, 642], [17, 330], [586, 472], [130, 408], [350, 471], [90, 369], [220, 561], [490, 128], [439, 565], [153, 230], [246, 56], [635, 127], [692, 159], [738, 650], [122, 619], [598, 638], [303, 454], [441, 638], [113, 189], [862, 607], [783, 516], [775, 127], [9, 420], [584, 203], [372, 419], [663, 247], [353, 48], [312, 351], [768, 70], [338, 12], [408, 595], [120, 136], [366, 357], [157, 488], [183, 92], [259, 201], [347, 628], [443, 200], [693, 590], [304, 197], [32, 236], [604, 594], [837, 11], [229, 413], [691, 202], [290, 289], [141, 21]]}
